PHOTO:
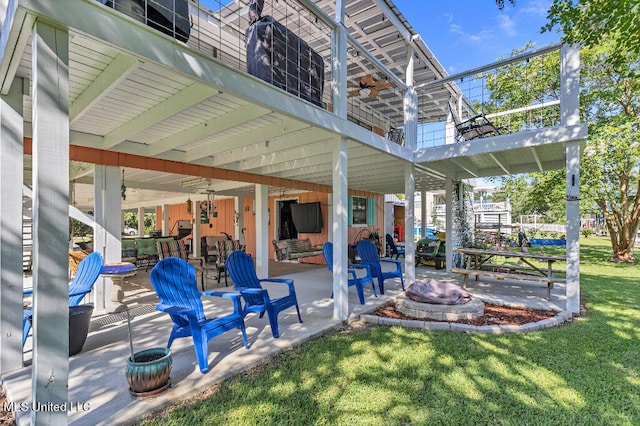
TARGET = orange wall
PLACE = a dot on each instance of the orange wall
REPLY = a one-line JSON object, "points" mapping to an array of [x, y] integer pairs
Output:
{"points": [[224, 221]]}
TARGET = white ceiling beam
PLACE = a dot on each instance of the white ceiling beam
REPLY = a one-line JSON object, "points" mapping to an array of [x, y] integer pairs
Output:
{"points": [[264, 156], [254, 153], [261, 134], [534, 153], [499, 163], [320, 163], [13, 43], [394, 19], [464, 165], [182, 100], [218, 124], [78, 170], [117, 71]]}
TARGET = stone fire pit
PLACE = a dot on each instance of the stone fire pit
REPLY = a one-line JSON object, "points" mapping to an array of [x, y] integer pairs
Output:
{"points": [[439, 300], [472, 309]]}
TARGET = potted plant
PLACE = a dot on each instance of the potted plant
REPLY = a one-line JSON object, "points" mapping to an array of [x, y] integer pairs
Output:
{"points": [[147, 371]]}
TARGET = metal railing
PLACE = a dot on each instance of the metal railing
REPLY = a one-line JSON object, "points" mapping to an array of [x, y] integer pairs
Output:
{"points": [[515, 94]]}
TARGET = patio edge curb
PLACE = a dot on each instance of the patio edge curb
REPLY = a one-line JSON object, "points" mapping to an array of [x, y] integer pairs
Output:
{"points": [[560, 318]]}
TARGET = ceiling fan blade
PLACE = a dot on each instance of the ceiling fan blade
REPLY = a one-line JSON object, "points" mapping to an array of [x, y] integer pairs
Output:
{"points": [[373, 94], [367, 80], [383, 85], [353, 93], [353, 86]]}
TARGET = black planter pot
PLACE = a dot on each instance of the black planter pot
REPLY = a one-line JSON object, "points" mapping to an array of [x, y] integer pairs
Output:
{"points": [[79, 321]]}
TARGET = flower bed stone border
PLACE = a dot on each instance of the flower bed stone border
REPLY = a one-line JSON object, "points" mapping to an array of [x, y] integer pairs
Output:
{"points": [[560, 318]]}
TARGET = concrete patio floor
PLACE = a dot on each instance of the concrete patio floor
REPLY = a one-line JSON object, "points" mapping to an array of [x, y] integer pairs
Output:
{"points": [[98, 390]]}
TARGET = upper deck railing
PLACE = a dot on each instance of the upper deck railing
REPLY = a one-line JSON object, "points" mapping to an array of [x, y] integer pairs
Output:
{"points": [[514, 95], [291, 47]]}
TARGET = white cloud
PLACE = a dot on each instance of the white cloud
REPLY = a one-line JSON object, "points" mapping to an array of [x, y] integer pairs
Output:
{"points": [[535, 7], [468, 37], [507, 25]]}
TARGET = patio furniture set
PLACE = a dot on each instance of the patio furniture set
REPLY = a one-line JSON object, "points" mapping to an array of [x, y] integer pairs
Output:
{"points": [[174, 281]]}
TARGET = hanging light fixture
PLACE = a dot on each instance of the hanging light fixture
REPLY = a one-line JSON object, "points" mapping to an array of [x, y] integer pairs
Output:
{"points": [[123, 188]]}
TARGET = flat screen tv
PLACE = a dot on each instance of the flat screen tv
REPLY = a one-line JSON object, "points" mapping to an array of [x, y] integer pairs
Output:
{"points": [[307, 217]]}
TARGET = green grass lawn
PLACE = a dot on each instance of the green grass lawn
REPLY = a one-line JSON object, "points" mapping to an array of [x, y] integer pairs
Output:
{"points": [[586, 372]]}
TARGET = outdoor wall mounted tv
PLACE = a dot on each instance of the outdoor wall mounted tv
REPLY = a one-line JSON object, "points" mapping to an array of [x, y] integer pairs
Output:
{"points": [[307, 217]]}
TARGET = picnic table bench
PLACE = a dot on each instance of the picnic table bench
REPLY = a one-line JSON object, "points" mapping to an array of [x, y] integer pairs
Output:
{"points": [[477, 264]]}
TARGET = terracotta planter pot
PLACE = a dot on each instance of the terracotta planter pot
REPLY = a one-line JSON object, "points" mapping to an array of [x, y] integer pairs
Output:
{"points": [[148, 373]]}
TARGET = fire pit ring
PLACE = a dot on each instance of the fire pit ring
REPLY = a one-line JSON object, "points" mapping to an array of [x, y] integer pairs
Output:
{"points": [[470, 310]]}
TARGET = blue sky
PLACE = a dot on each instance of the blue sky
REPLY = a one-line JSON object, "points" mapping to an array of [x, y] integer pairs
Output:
{"points": [[464, 34]]}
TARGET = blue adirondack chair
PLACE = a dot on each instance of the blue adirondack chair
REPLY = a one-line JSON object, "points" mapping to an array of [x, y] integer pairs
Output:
{"points": [[358, 282], [174, 280], [88, 272], [240, 268], [369, 256], [395, 251]]}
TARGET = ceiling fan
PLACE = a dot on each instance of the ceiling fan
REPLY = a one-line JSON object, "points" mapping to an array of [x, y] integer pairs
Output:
{"points": [[369, 84]]}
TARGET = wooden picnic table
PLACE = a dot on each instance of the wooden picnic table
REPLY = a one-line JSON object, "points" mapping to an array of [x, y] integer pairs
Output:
{"points": [[478, 263]]}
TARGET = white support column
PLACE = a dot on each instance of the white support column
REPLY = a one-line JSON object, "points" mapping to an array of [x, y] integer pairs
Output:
{"points": [[339, 63], [570, 84], [141, 222], [431, 206], [106, 241], [196, 233], [262, 230], [409, 224], [410, 108], [330, 215], [11, 178], [238, 221], [570, 115], [449, 130], [573, 226], [50, 106], [423, 213], [166, 228], [339, 232], [411, 142], [449, 223]]}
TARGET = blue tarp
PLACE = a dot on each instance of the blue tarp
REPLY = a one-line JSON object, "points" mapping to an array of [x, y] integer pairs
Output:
{"points": [[546, 242]]}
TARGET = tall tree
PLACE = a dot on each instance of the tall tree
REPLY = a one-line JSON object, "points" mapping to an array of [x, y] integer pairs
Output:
{"points": [[611, 105], [610, 30]]}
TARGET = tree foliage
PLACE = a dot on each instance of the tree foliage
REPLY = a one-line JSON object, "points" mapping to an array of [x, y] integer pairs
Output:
{"points": [[500, 3], [597, 21]]}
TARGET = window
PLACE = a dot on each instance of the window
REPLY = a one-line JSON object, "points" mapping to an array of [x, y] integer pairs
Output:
{"points": [[359, 210]]}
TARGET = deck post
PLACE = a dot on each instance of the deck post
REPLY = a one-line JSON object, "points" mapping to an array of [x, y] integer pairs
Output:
{"points": [[409, 224], [339, 232], [11, 178], [570, 115], [262, 230], [107, 240], [50, 105]]}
